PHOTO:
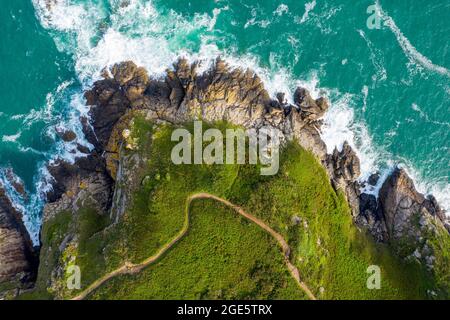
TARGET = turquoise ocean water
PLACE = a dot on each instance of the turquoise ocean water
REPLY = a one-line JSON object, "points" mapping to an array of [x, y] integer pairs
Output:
{"points": [[389, 86]]}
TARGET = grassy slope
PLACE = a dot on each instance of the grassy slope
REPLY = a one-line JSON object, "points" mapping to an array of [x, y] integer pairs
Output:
{"points": [[157, 216], [328, 250], [235, 261]]}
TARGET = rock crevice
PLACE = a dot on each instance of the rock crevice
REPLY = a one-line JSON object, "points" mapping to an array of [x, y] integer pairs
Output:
{"points": [[18, 258]]}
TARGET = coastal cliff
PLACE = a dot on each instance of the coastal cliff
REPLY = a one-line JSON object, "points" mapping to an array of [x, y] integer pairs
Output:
{"points": [[17, 256], [98, 185]]}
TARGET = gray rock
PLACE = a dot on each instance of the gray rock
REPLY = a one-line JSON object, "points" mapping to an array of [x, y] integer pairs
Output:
{"points": [[311, 109], [409, 216], [371, 217], [18, 264], [373, 179], [344, 169]]}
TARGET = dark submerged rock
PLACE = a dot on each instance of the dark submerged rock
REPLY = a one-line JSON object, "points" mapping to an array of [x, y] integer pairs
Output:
{"points": [[66, 135], [373, 179]]}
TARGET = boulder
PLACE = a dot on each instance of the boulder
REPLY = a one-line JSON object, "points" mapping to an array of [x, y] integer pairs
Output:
{"points": [[308, 136], [311, 109], [66, 135], [345, 164], [373, 179], [124, 72]]}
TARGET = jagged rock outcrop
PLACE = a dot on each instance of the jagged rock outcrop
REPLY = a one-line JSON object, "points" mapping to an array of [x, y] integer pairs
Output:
{"points": [[17, 256], [410, 216], [221, 94], [344, 170], [74, 184], [371, 217], [113, 102], [399, 215], [312, 110]]}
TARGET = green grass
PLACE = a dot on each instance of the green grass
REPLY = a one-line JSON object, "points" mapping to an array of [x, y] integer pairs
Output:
{"points": [[330, 252], [157, 213], [53, 233], [440, 245], [90, 256], [223, 256], [85, 226]]}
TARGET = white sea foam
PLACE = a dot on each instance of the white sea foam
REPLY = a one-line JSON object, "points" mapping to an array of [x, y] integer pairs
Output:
{"points": [[253, 21], [31, 207], [410, 51], [425, 116], [216, 13], [319, 19], [340, 126], [12, 138], [309, 6], [365, 92], [281, 9], [7, 184], [376, 56]]}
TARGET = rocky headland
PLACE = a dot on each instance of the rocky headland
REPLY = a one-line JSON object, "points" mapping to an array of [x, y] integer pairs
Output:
{"points": [[400, 216], [18, 258]]}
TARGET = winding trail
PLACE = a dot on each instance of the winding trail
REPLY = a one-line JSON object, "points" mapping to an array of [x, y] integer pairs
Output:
{"points": [[130, 268]]}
